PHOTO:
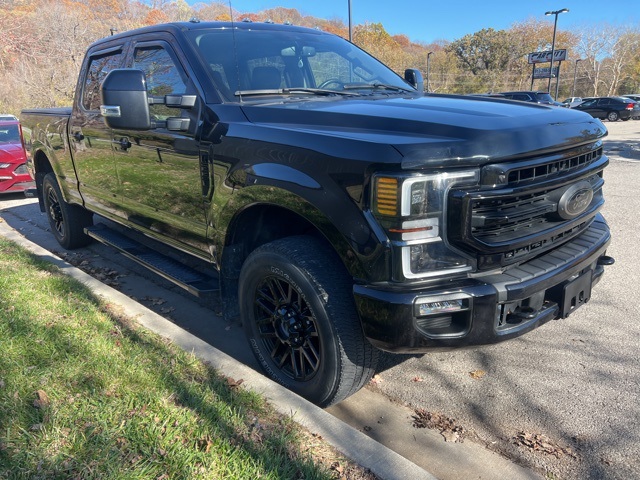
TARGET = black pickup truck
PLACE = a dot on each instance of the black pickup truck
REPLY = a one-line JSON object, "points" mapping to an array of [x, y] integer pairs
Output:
{"points": [[336, 208]]}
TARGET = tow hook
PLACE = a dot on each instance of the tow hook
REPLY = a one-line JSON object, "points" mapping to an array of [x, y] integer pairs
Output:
{"points": [[521, 314], [606, 260]]}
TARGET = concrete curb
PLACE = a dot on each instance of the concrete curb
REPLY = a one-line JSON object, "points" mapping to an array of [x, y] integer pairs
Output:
{"points": [[382, 461]]}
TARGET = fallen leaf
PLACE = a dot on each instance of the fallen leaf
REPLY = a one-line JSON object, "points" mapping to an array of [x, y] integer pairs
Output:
{"points": [[450, 436], [234, 383], [541, 443], [449, 429], [477, 374], [42, 399], [37, 427], [417, 379]]}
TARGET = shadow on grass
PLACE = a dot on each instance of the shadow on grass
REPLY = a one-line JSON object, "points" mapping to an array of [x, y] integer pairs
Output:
{"points": [[57, 383]]}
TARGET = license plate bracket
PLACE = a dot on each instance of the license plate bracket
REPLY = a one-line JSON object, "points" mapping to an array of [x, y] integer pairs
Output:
{"points": [[575, 293]]}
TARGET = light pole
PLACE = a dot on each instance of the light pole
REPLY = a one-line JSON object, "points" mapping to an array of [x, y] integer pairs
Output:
{"points": [[428, 71], [553, 42], [575, 73], [350, 29]]}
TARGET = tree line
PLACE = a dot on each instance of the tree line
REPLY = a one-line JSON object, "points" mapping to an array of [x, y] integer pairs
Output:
{"points": [[43, 43]]}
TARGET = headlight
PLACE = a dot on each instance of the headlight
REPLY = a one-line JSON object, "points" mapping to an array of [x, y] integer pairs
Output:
{"points": [[412, 210]]}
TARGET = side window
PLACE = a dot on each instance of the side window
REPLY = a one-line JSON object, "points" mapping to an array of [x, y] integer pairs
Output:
{"points": [[163, 77], [99, 66]]}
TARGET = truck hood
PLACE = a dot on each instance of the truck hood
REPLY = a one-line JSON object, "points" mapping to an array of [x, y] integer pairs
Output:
{"points": [[12, 153], [435, 130]]}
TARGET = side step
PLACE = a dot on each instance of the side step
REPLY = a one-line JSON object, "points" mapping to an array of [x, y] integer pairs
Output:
{"points": [[194, 282]]}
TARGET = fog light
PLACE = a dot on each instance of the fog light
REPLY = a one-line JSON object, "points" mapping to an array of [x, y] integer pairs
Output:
{"points": [[440, 307]]}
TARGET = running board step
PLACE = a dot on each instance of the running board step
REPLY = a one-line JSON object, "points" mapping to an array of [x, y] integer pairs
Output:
{"points": [[191, 280]]}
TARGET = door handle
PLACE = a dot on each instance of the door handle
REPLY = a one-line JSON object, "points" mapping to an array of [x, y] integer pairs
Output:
{"points": [[123, 143]]}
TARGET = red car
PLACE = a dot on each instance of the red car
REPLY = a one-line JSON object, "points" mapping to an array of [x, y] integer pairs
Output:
{"points": [[13, 169]]}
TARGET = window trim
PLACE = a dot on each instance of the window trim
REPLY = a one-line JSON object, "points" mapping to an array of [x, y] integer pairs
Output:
{"points": [[91, 55]]}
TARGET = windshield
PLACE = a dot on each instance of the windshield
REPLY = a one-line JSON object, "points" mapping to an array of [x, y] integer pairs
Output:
{"points": [[544, 98], [9, 134], [276, 61]]}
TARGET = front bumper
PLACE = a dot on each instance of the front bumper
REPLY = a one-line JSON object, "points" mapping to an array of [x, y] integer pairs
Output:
{"points": [[494, 307]]}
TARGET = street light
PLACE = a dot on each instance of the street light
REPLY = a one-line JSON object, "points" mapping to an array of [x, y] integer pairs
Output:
{"points": [[553, 44], [428, 70], [350, 27], [575, 72]]}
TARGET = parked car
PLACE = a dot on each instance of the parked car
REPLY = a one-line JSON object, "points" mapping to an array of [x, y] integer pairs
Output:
{"points": [[534, 97], [610, 108], [572, 101], [14, 176], [636, 112], [4, 117]]}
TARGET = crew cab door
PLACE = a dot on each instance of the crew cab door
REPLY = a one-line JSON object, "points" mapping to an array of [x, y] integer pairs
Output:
{"points": [[160, 188], [89, 137]]}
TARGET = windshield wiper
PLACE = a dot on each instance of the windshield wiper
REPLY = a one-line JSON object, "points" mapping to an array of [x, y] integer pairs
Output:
{"points": [[377, 85], [288, 91]]}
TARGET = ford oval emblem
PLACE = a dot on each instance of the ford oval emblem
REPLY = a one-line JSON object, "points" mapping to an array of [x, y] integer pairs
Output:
{"points": [[575, 200]]}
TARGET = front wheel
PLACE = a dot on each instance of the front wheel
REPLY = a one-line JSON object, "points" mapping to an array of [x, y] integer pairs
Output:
{"points": [[297, 310], [67, 221], [612, 116]]}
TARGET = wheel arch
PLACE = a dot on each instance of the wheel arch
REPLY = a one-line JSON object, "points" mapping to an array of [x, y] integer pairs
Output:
{"points": [[41, 166], [255, 224]]}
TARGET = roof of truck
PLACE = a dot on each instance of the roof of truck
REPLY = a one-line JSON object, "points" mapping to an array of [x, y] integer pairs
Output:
{"points": [[195, 24]]}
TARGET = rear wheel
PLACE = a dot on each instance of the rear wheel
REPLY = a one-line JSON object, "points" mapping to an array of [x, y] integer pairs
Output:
{"points": [[298, 313], [612, 116], [67, 221]]}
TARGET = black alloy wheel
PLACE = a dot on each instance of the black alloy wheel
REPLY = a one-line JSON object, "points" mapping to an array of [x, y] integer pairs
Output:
{"points": [[67, 221], [287, 328], [298, 313]]}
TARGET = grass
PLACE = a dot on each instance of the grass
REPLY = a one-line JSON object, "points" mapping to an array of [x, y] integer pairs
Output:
{"points": [[86, 393]]}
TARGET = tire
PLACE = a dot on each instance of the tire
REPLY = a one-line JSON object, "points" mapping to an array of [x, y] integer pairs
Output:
{"points": [[612, 116], [300, 319], [67, 221]]}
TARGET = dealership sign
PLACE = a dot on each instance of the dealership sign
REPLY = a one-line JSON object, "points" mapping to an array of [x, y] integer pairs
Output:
{"points": [[544, 72], [543, 57]]}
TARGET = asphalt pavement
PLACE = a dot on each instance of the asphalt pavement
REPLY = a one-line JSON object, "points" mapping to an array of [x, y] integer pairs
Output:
{"points": [[561, 401]]}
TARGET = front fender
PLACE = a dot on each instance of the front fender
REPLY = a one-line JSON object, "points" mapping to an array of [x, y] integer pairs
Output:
{"points": [[332, 213]]}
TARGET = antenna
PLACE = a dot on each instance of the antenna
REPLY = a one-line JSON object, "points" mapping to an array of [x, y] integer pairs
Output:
{"points": [[231, 12]]}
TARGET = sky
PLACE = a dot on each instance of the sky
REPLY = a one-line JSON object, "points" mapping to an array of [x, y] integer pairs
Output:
{"points": [[430, 20]]}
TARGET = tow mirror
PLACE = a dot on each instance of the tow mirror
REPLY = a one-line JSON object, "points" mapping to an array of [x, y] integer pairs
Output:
{"points": [[413, 77], [125, 103]]}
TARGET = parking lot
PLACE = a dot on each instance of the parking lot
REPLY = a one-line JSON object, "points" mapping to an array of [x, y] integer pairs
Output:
{"points": [[562, 400]]}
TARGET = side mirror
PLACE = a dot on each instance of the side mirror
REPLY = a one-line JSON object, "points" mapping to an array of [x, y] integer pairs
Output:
{"points": [[413, 77], [125, 103]]}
